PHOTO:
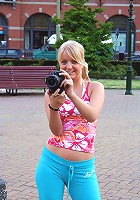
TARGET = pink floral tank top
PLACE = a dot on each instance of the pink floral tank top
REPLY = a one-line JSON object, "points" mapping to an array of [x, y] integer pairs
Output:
{"points": [[78, 134]]}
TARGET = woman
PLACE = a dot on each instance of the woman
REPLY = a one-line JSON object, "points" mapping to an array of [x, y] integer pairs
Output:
{"points": [[68, 157]]}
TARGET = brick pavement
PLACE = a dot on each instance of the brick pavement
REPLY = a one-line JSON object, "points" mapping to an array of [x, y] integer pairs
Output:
{"points": [[24, 131]]}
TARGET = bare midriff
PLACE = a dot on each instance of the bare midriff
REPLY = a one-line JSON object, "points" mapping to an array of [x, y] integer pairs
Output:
{"points": [[68, 154]]}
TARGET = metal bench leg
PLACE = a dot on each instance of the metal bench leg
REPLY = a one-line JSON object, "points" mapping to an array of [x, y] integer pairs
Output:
{"points": [[14, 92], [45, 90], [8, 91]]}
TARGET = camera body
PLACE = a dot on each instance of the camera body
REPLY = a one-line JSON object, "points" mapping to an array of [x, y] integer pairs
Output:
{"points": [[54, 80]]}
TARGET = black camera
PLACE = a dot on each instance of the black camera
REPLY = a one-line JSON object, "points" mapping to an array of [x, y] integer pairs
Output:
{"points": [[54, 81]]}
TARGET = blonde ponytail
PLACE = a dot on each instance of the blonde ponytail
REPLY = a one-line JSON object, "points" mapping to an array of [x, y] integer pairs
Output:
{"points": [[85, 72]]}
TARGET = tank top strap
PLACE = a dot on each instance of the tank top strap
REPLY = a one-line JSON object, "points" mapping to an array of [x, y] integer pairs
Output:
{"points": [[85, 89]]}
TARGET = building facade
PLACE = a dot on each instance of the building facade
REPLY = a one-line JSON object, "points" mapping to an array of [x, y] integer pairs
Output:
{"points": [[27, 24]]}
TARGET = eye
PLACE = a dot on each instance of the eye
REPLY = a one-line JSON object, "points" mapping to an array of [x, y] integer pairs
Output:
{"points": [[63, 62], [74, 62]]}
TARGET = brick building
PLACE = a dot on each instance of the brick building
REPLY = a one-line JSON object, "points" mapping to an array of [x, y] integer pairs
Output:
{"points": [[27, 24]]}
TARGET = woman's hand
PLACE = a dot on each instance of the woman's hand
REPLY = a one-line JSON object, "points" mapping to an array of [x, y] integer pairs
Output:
{"points": [[56, 99], [67, 83]]}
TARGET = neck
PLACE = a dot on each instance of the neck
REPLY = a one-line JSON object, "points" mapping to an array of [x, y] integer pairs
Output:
{"points": [[77, 83]]}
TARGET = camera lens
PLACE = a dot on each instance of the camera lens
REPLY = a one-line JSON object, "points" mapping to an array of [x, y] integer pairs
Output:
{"points": [[52, 81]]}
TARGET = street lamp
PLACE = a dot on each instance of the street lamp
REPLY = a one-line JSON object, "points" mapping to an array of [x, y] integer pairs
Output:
{"points": [[57, 25], [58, 17], [129, 60]]}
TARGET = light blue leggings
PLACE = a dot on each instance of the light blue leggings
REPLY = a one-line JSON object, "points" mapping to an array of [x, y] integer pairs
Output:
{"points": [[54, 172]]}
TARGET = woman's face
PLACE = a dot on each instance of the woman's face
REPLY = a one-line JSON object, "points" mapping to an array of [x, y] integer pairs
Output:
{"points": [[73, 68]]}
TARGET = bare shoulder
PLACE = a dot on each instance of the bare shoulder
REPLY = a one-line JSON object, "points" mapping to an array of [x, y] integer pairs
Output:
{"points": [[96, 92], [95, 85], [96, 88]]}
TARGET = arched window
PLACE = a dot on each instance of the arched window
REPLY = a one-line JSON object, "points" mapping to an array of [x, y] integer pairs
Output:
{"points": [[3, 21], [37, 29], [120, 31]]}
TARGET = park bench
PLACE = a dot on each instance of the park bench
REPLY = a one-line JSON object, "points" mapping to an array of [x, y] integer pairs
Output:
{"points": [[13, 78]]}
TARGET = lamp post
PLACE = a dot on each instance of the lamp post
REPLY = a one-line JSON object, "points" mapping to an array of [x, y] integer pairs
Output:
{"points": [[58, 17], [57, 25], [129, 61]]}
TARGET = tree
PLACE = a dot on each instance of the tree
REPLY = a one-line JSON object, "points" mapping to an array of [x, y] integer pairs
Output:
{"points": [[79, 23]]}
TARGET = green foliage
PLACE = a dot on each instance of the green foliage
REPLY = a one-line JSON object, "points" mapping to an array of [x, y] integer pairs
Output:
{"points": [[110, 72], [15, 62], [79, 23], [9, 63], [136, 67], [119, 84]]}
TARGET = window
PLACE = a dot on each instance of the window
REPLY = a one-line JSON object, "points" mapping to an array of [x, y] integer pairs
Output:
{"points": [[121, 23], [37, 28], [12, 52], [2, 52]]}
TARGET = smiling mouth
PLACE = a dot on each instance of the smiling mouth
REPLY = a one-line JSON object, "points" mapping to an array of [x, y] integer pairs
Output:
{"points": [[70, 73]]}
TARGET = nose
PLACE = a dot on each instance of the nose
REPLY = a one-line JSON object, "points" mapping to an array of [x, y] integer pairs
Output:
{"points": [[69, 65]]}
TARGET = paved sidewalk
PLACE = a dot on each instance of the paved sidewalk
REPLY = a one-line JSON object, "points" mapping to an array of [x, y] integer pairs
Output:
{"points": [[24, 131]]}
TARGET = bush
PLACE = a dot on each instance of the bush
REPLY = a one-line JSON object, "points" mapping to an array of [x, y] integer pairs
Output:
{"points": [[9, 64], [28, 62], [110, 72], [136, 67]]}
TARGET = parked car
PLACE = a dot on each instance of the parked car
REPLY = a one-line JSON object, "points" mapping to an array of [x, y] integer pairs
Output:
{"points": [[44, 53], [47, 51], [12, 53], [135, 58]]}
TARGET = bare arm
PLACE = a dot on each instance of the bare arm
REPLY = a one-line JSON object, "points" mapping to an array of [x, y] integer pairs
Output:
{"points": [[90, 111], [96, 93], [55, 123]]}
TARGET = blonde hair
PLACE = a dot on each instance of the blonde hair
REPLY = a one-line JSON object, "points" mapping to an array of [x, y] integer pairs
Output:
{"points": [[75, 51]]}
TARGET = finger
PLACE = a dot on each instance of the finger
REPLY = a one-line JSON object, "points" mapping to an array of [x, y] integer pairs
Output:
{"points": [[63, 93], [56, 93], [66, 80], [49, 93], [64, 73]]}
